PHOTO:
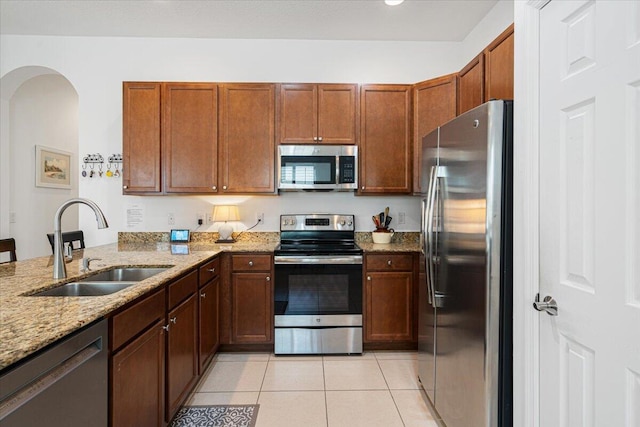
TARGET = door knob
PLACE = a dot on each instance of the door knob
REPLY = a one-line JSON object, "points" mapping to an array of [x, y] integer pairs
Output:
{"points": [[548, 304]]}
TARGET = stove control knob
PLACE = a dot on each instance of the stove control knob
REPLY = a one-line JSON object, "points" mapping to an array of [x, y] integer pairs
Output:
{"points": [[349, 223], [342, 222]]}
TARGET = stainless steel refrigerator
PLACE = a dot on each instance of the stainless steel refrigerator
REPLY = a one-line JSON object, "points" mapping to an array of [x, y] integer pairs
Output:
{"points": [[465, 297]]}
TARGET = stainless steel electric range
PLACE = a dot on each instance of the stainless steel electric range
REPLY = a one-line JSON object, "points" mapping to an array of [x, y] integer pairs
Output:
{"points": [[318, 286]]}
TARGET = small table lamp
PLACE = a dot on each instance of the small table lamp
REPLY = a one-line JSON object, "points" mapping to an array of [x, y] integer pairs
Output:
{"points": [[222, 213]]}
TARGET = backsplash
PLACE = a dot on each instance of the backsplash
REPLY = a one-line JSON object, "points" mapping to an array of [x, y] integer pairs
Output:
{"points": [[265, 237]]}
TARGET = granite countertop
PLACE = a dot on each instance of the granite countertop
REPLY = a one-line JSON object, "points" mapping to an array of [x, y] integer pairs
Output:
{"points": [[29, 323]]}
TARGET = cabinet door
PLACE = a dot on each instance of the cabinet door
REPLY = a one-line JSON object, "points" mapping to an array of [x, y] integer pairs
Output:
{"points": [[498, 79], [208, 322], [182, 353], [251, 306], [190, 137], [389, 306], [434, 104], [471, 85], [337, 113], [385, 139], [141, 138], [298, 123], [247, 138], [137, 392]]}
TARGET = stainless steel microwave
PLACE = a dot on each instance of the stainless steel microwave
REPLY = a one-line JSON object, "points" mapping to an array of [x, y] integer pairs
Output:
{"points": [[318, 167]]}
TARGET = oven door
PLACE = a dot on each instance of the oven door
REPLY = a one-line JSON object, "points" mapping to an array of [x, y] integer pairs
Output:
{"points": [[318, 285]]}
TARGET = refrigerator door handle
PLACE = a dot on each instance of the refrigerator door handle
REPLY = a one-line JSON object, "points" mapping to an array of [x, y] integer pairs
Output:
{"points": [[423, 243], [431, 194]]}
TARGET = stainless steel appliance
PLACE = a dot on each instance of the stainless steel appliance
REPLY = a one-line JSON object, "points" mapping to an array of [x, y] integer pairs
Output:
{"points": [[318, 286], [318, 167], [465, 305], [64, 385]]}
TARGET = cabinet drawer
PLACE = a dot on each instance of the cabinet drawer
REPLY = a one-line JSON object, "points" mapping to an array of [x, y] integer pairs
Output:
{"points": [[251, 262], [208, 271], [182, 288], [389, 262], [135, 319]]}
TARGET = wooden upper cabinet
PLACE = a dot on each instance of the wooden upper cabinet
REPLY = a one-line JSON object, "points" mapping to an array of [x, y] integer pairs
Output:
{"points": [[190, 137], [385, 139], [141, 137], [498, 62], [434, 103], [318, 113], [247, 138], [471, 84]]}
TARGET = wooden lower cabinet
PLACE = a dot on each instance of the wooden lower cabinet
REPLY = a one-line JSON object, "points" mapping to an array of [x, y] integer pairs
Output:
{"points": [[389, 299], [252, 315], [137, 391], [208, 322], [182, 353]]}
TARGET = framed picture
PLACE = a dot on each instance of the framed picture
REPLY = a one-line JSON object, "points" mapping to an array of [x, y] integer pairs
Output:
{"points": [[53, 167]]}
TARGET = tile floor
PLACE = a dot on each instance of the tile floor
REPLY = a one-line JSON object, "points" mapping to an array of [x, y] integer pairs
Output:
{"points": [[376, 389]]}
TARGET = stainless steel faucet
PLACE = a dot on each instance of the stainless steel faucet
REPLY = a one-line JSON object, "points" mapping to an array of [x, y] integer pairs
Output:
{"points": [[59, 267]]}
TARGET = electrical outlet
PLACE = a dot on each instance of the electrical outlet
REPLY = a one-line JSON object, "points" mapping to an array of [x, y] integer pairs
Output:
{"points": [[200, 218], [12, 217], [401, 218], [209, 218], [171, 219], [260, 217]]}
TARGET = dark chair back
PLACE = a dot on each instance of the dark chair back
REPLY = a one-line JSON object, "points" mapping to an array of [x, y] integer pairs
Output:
{"points": [[74, 238], [9, 245]]}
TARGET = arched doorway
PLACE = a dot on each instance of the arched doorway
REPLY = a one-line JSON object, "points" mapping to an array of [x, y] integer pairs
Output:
{"points": [[39, 107]]}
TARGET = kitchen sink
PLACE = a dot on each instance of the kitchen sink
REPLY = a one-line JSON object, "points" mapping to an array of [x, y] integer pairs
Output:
{"points": [[103, 282], [124, 274]]}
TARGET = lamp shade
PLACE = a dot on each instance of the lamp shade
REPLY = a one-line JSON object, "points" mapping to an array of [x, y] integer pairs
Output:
{"points": [[223, 213]]}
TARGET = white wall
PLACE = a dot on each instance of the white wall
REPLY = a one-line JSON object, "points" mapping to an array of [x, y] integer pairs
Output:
{"points": [[43, 111], [97, 66]]}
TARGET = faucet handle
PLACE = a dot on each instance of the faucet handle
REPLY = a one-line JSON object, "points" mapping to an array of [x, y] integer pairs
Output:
{"points": [[87, 261]]}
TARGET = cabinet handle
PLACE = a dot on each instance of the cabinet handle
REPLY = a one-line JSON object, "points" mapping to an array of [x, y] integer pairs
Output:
{"points": [[214, 188], [250, 263], [369, 278], [125, 186], [224, 187], [166, 327], [203, 295], [211, 270], [173, 320], [389, 262], [268, 279]]}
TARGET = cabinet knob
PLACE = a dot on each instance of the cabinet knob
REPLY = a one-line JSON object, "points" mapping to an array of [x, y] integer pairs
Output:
{"points": [[320, 139], [362, 188], [250, 263], [315, 138], [389, 262], [125, 186], [211, 270], [224, 187], [173, 320], [165, 327], [203, 295], [268, 279], [214, 188]]}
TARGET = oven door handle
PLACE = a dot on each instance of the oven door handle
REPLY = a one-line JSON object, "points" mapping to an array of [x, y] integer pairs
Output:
{"points": [[318, 259]]}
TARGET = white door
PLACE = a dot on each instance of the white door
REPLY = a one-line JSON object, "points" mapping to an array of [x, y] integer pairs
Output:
{"points": [[590, 213]]}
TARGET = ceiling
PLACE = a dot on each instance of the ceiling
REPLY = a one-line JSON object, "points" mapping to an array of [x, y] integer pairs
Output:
{"points": [[413, 20]]}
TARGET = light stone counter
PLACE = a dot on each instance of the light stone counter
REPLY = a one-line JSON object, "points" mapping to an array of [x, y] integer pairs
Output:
{"points": [[29, 323]]}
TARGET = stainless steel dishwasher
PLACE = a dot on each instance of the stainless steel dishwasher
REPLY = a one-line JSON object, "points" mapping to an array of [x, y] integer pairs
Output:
{"points": [[64, 385]]}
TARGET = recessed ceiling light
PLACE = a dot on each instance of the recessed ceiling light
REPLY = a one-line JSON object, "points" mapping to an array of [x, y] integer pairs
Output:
{"points": [[393, 2]]}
